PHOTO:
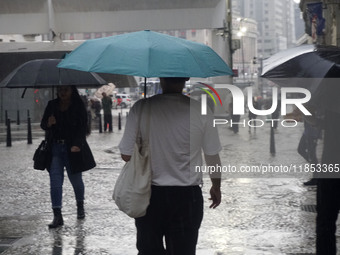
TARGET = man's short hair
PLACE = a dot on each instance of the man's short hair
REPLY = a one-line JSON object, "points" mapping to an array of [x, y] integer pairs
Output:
{"points": [[177, 79]]}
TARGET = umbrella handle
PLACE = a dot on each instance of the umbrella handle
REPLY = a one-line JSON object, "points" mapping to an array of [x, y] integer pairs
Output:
{"points": [[23, 93], [144, 87]]}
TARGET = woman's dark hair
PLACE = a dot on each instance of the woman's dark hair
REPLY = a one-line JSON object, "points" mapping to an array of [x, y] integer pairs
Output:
{"points": [[75, 95], [77, 100]]}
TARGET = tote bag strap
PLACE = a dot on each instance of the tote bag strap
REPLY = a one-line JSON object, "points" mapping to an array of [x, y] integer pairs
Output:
{"points": [[145, 109]]}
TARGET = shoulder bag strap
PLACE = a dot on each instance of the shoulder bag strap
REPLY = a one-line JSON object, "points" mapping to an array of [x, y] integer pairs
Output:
{"points": [[145, 109]]}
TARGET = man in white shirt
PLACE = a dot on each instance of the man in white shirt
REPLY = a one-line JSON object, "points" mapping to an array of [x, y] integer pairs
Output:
{"points": [[177, 135]]}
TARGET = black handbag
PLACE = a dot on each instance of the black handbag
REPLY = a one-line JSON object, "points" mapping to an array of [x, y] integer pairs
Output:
{"points": [[42, 156]]}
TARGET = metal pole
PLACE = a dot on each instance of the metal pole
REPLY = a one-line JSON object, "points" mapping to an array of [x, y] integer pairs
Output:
{"points": [[9, 136], [119, 122], [29, 131], [6, 117], [18, 117], [272, 140], [29, 128], [229, 22], [100, 123], [242, 52], [145, 87]]}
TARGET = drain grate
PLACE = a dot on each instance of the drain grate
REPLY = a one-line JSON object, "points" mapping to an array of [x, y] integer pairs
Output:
{"points": [[301, 254], [309, 208], [6, 242]]}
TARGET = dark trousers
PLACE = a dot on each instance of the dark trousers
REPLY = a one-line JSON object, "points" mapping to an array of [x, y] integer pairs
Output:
{"points": [[235, 119], [328, 205], [108, 122], [307, 149], [175, 213]]}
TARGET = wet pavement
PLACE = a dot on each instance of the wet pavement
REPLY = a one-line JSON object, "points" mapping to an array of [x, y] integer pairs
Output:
{"points": [[260, 213]]}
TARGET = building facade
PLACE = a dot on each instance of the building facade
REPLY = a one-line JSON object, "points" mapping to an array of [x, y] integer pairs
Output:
{"points": [[244, 58], [325, 28], [275, 23]]}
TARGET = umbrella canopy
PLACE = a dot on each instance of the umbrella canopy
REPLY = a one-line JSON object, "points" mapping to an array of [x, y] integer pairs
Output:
{"points": [[44, 73], [146, 54], [316, 68], [305, 61], [109, 89]]}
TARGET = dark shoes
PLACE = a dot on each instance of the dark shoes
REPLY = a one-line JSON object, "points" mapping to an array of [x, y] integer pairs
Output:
{"points": [[58, 217], [311, 182], [57, 220], [80, 210]]}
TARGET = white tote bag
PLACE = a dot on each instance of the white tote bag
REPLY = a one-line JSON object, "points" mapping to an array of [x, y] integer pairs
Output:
{"points": [[132, 190]]}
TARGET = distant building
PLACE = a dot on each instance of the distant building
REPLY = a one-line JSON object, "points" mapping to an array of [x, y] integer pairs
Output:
{"points": [[275, 20], [244, 58]]}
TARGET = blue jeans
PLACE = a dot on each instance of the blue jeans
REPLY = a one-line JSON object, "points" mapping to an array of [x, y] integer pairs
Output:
{"points": [[59, 161]]}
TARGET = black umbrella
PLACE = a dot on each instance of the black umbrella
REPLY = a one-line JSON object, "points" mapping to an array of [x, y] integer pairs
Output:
{"points": [[305, 61], [44, 73], [316, 68]]}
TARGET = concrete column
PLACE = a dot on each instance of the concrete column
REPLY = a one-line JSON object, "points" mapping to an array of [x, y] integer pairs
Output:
{"points": [[222, 45], [337, 24], [52, 30]]}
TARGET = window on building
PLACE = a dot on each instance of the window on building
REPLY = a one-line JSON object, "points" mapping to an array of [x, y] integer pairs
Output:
{"points": [[182, 34], [98, 35], [87, 36]]}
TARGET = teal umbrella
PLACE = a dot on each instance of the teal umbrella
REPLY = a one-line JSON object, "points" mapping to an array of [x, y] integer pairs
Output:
{"points": [[146, 54]]}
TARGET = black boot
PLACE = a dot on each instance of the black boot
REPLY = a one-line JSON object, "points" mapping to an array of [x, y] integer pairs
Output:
{"points": [[80, 210], [57, 220]]}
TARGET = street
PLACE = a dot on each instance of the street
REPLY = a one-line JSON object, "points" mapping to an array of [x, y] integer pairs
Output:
{"points": [[260, 213]]}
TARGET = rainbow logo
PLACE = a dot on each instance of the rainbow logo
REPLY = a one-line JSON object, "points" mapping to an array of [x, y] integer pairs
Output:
{"points": [[209, 93]]}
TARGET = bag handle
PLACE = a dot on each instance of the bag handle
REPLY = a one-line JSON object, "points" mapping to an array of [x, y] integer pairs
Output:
{"points": [[145, 105]]}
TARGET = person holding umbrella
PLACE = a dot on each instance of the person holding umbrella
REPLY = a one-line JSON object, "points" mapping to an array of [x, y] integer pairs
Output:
{"points": [[178, 133], [107, 108], [65, 123]]}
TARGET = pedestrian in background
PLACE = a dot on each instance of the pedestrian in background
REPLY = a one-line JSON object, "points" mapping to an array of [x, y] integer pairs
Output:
{"points": [[251, 115], [276, 114], [307, 147], [107, 109], [328, 187], [235, 118], [65, 123], [178, 134]]}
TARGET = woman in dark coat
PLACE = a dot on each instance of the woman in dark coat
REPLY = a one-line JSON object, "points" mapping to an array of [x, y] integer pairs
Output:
{"points": [[65, 123]]}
